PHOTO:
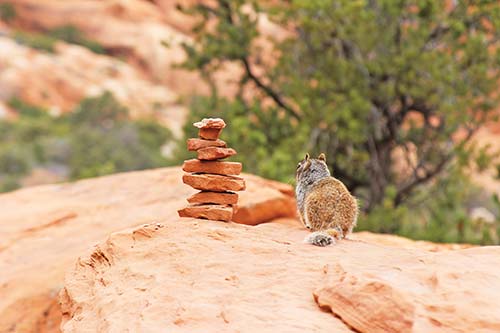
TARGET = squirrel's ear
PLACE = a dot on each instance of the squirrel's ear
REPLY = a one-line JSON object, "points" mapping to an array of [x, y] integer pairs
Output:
{"points": [[322, 157], [306, 158], [307, 165]]}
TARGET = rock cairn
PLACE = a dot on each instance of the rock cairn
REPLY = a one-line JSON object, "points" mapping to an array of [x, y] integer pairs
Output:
{"points": [[215, 179]]}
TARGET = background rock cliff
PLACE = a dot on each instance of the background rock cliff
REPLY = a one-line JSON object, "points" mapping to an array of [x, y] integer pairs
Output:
{"points": [[142, 42]]}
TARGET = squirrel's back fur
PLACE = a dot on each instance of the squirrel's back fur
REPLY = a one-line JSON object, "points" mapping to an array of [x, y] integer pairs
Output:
{"points": [[325, 205]]}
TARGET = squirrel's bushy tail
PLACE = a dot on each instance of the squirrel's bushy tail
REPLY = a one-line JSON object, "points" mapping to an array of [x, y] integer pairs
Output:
{"points": [[324, 238], [319, 238]]}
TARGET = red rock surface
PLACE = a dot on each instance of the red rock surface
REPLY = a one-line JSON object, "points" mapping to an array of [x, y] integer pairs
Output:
{"points": [[136, 30], [208, 211], [206, 182], [227, 198], [217, 167], [196, 276], [264, 195], [414, 291], [215, 153], [255, 189], [405, 243], [194, 144], [44, 229]]}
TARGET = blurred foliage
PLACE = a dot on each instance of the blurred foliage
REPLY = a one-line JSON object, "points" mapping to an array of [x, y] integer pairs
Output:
{"points": [[7, 12], [97, 139], [46, 41], [25, 109], [71, 34], [35, 40], [438, 212], [392, 91]]}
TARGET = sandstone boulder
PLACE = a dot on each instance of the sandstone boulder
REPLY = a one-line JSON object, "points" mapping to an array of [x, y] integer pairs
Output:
{"points": [[208, 211], [216, 167], [44, 229], [267, 199], [194, 144], [206, 182], [412, 291], [199, 266], [195, 276], [215, 153]]}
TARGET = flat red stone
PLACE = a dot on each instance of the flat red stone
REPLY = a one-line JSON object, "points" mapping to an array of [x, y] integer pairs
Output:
{"points": [[210, 212], [195, 144], [221, 198], [216, 183], [215, 153], [209, 133], [217, 167]]}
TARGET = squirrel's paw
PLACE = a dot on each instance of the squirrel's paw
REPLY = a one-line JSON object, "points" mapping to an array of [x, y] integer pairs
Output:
{"points": [[319, 238]]}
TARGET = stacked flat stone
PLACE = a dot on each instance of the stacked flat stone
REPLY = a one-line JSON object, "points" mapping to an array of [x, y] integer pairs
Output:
{"points": [[216, 179]]}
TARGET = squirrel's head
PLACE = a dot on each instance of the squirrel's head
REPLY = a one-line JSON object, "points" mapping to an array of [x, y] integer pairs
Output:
{"points": [[315, 167]]}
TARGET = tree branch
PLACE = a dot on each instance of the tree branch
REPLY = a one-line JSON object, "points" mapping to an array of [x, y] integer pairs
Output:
{"points": [[268, 90], [406, 189], [250, 74]]}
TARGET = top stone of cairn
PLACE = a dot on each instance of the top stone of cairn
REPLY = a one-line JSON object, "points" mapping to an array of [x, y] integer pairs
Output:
{"points": [[210, 128], [215, 123]]}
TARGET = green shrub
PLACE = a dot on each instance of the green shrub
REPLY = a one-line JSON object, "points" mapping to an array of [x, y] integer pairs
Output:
{"points": [[71, 34], [46, 41], [7, 12], [25, 109], [9, 184], [13, 162], [98, 138], [105, 141], [102, 111], [35, 40], [438, 212]]}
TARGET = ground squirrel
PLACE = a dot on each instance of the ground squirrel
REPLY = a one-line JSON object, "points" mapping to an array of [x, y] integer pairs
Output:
{"points": [[325, 205]]}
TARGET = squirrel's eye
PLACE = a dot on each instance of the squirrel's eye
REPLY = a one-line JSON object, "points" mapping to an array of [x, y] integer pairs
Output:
{"points": [[298, 165]]}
